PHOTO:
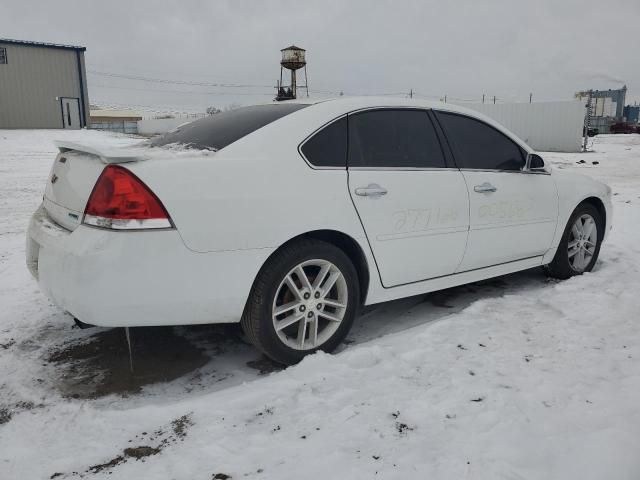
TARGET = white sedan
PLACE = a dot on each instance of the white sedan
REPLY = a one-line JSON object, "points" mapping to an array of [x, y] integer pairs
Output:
{"points": [[289, 217]]}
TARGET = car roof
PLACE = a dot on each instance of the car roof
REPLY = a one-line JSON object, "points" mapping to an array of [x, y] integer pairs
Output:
{"points": [[350, 103], [292, 129]]}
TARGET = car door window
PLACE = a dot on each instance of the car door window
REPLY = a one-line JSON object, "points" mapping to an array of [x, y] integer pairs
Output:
{"points": [[328, 147], [393, 139], [477, 145]]}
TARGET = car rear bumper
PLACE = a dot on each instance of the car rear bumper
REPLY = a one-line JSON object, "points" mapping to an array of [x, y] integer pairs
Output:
{"points": [[138, 278]]}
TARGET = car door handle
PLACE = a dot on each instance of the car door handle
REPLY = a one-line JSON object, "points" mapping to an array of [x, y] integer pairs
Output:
{"points": [[486, 187], [371, 190]]}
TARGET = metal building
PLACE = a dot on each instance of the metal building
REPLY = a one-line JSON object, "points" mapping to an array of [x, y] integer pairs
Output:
{"points": [[632, 113], [607, 107], [42, 85]]}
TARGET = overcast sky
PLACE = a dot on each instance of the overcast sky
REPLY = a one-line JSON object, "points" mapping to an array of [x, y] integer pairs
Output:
{"points": [[461, 49]]}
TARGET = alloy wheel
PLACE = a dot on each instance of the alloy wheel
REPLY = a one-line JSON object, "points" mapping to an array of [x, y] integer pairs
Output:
{"points": [[310, 304], [583, 239]]}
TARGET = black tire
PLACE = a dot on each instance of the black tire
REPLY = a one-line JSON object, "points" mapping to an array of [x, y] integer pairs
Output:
{"points": [[257, 320], [560, 267]]}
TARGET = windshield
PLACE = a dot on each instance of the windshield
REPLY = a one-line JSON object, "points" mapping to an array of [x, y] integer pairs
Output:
{"points": [[221, 129]]}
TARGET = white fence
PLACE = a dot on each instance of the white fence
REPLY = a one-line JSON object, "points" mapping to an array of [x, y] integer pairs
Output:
{"points": [[122, 126], [544, 126], [155, 126]]}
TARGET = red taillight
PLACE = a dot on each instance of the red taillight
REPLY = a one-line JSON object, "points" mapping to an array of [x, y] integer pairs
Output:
{"points": [[121, 201]]}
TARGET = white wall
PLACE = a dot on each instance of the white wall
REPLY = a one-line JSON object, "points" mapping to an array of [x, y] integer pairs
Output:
{"points": [[154, 126], [544, 126]]}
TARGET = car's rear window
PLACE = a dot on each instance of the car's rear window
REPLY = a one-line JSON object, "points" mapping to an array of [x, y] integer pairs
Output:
{"points": [[221, 129]]}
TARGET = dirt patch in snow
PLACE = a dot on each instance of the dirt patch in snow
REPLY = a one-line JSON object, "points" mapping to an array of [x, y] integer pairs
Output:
{"points": [[8, 411], [100, 365], [161, 438], [181, 425], [131, 452], [5, 415]]}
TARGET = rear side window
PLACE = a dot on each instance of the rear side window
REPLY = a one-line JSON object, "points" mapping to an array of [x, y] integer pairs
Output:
{"points": [[328, 147], [221, 129], [393, 139], [477, 145]]}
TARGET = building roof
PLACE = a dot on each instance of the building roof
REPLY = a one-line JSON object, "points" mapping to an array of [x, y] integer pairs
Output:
{"points": [[293, 47], [28, 43]]}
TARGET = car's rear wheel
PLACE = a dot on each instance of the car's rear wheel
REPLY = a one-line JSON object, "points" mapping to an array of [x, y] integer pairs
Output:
{"points": [[304, 299], [580, 244]]}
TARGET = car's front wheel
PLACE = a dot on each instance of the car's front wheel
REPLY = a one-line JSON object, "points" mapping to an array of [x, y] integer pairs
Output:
{"points": [[304, 299], [580, 244]]}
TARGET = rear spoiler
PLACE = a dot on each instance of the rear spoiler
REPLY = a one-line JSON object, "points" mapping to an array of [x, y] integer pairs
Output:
{"points": [[106, 154]]}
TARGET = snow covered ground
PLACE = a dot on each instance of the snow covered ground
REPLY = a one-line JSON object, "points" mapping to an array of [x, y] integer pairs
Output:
{"points": [[515, 378]]}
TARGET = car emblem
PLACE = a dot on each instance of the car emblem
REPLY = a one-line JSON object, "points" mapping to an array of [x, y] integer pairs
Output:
{"points": [[54, 178]]}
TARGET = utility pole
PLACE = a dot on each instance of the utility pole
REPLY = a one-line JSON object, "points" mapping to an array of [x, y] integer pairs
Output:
{"points": [[494, 99], [587, 121], [411, 93], [445, 99], [483, 98], [530, 97]]}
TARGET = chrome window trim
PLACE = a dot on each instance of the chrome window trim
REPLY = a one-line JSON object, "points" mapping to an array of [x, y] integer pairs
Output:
{"points": [[404, 169], [489, 170], [531, 172]]}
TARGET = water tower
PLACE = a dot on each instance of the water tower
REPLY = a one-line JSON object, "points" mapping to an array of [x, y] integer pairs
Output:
{"points": [[292, 59]]}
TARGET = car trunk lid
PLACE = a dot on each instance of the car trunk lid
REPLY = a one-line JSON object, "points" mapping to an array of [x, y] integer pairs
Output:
{"points": [[73, 176]]}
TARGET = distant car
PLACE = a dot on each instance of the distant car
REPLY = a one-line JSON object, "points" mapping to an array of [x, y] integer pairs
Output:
{"points": [[304, 213]]}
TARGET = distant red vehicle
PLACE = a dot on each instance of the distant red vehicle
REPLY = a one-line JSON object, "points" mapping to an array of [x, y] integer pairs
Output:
{"points": [[624, 127]]}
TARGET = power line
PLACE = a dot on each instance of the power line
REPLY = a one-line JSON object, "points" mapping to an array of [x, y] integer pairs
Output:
{"points": [[144, 78], [189, 82], [175, 82], [192, 92], [178, 109]]}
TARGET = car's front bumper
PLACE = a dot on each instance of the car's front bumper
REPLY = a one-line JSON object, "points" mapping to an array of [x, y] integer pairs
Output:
{"points": [[145, 278], [608, 206]]}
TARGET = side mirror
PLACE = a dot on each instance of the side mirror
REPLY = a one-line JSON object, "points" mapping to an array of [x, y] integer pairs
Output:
{"points": [[535, 163]]}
